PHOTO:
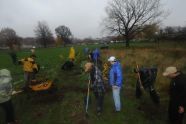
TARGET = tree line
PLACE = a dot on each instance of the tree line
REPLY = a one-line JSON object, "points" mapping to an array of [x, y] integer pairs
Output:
{"points": [[43, 36], [173, 33], [125, 19]]}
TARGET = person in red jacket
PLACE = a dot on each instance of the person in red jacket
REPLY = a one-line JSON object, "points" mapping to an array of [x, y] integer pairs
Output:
{"points": [[177, 102]]}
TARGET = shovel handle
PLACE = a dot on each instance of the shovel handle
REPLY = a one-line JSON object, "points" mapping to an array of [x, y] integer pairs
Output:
{"points": [[139, 77], [88, 93], [17, 92]]}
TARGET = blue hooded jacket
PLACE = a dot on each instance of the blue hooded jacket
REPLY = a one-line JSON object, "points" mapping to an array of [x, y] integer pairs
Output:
{"points": [[115, 75], [96, 54]]}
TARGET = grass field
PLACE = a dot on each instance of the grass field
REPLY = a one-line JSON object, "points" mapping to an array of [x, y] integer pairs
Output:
{"points": [[66, 106]]}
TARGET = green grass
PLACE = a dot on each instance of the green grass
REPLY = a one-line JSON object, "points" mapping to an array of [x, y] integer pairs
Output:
{"points": [[66, 105]]}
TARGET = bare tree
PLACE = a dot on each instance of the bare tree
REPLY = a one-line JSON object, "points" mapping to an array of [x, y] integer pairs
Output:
{"points": [[8, 37], [127, 17], [44, 34], [63, 33]]}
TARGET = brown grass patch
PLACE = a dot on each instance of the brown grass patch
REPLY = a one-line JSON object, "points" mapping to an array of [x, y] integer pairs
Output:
{"points": [[148, 57]]}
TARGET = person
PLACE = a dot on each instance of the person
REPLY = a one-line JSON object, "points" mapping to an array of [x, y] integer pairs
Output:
{"points": [[86, 50], [33, 51], [30, 68], [96, 58], [105, 70], [68, 65], [5, 95], [72, 54], [177, 101], [146, 80], [96, 55], [97, 84], [13, 54], [90, 56], [115, 80]]}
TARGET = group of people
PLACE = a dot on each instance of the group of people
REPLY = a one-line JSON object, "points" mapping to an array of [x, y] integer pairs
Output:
{"points": [[177, 92], [30, 68], [97, 82], [177, 102]]}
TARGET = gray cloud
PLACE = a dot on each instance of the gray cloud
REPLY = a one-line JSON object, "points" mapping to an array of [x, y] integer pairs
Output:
{"points": [[177, 10], [83, 17]]}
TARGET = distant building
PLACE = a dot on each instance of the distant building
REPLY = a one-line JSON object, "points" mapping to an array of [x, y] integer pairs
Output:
{"points": [[28, 42]]}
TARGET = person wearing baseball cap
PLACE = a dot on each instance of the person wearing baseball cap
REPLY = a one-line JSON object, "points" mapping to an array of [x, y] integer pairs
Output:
{"points": [[33, 51], [177, 102], [115, 80]]}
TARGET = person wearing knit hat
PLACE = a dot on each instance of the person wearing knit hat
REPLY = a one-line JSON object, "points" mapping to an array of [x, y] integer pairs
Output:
{"points": [[88, 66], [177, 101], [97, 84]]}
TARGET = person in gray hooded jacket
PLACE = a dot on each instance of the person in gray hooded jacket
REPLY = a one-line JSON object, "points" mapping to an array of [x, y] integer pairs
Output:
{"points": [[5, 95]]}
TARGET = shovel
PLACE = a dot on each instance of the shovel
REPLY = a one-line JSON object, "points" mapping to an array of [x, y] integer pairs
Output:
{"points": [[139, 77], [16, 92], [87, 99]]}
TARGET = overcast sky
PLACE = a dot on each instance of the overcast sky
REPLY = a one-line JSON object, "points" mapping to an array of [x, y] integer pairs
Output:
{"points": [[83, 17]]}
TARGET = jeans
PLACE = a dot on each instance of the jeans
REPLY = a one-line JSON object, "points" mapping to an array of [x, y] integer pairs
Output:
{"points": [[116, 97], [150, 88], [28, 76]]}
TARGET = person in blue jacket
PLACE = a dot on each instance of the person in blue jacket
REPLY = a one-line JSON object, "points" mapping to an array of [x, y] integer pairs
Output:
{"points": [[115, 80], [96, 55], [96, 58]]}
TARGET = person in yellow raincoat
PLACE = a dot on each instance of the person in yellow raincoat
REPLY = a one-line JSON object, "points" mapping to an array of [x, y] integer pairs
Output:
{"points": [[29, 68], [72, 54]]}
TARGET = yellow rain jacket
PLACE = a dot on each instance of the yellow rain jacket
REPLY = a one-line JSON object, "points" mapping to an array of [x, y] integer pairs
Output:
{"points": [[72, 53], [28, 64], [105, 71]]}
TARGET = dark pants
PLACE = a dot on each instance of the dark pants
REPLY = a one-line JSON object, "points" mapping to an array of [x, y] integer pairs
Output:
{"points": [[68, 65], [153, 94], [14, 58], [9, 111], [28, 76], [174, 116], [99, 101], [98, 63]]}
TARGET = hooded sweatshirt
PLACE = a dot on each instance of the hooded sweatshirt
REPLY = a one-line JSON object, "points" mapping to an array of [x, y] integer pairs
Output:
{"points": [[115, 75], [5, 85]]}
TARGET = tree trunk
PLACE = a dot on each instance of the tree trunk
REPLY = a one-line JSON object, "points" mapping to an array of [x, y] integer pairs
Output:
{"points": [[45, 45], [127, 41]]}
